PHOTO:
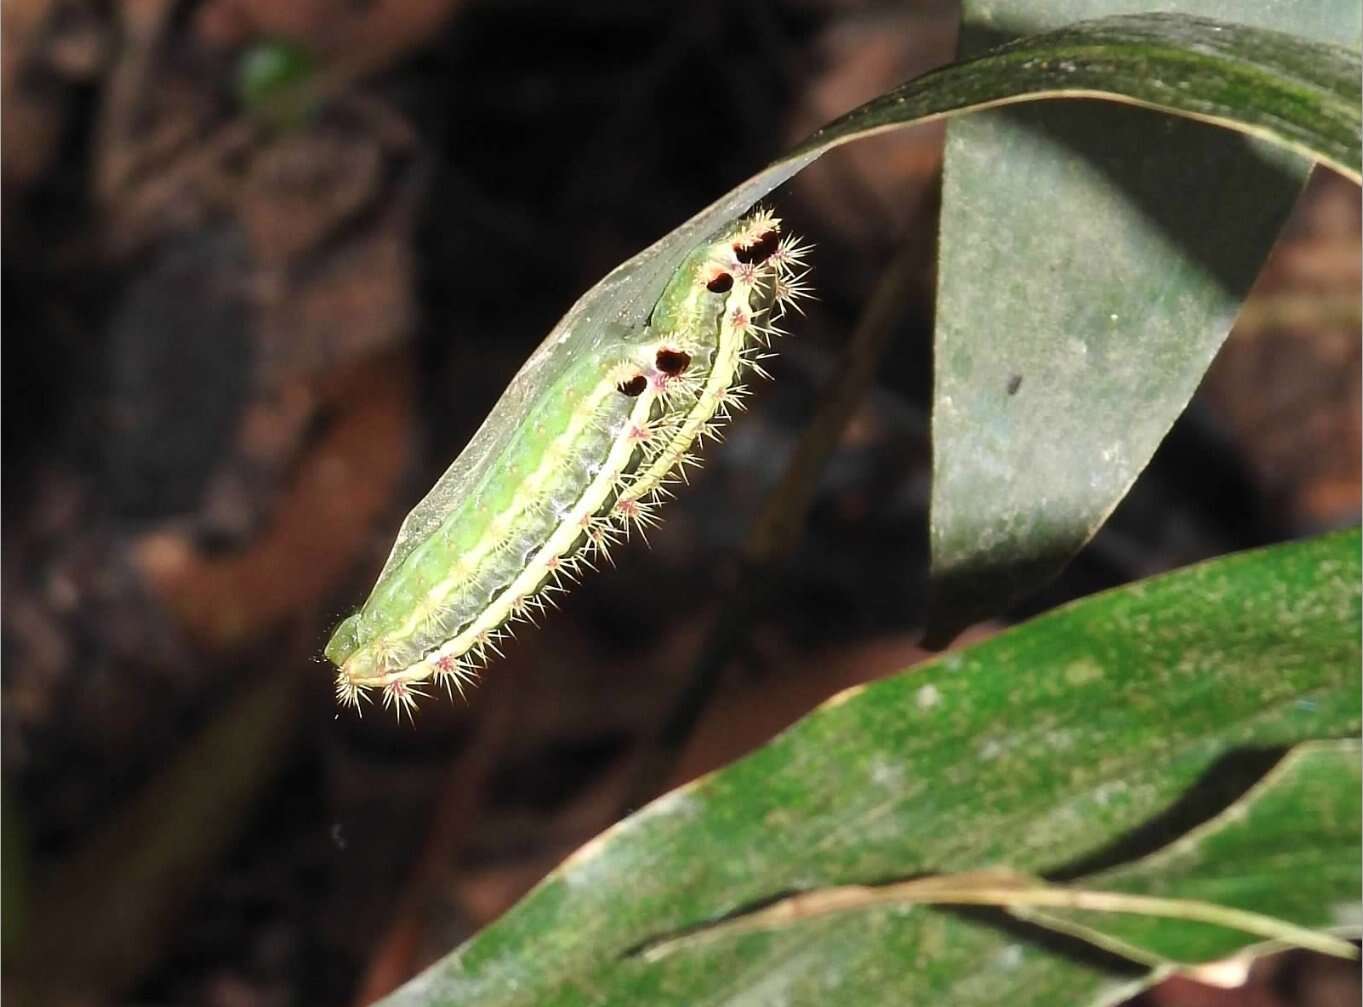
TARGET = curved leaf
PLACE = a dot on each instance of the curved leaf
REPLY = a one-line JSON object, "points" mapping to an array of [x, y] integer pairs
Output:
{"points": [[1296, 94], [1091, 262], [1301, 822], [1048, 750]]}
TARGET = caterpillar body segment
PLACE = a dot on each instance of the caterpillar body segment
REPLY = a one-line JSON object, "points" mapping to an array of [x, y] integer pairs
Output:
{"points": [[573, 458]]}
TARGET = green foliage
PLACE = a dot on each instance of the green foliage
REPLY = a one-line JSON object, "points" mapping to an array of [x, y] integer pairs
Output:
{"points": [[1059, 749], [1137, 782], [274, 81], [1051, 397]]}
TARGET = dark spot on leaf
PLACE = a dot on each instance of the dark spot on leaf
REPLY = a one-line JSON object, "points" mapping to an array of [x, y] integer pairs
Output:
{"points": [[760, 250], [1014, 383], [634, 386], [721, 284], [673, 362]]}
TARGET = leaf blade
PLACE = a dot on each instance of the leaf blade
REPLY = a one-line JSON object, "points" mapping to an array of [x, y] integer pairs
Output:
{"points": [[979, 758], [615, 310], [1303, 817], [1116, 247]]}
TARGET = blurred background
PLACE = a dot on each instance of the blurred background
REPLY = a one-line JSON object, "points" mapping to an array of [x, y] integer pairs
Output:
{"points": [[266, 267]]}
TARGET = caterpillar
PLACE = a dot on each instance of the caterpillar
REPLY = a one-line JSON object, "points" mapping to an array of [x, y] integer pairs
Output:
{"points": [[576, 456]]}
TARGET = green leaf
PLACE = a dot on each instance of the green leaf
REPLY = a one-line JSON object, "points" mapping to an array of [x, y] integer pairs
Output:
{"points": [[1296, 94], [1288, 849], [1161, 919], [1048, 750], [274, 78], [1295, 90], [1091, 263]]}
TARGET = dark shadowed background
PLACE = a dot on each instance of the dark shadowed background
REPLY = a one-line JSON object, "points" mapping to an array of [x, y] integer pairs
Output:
{"points": [[266, 267]]}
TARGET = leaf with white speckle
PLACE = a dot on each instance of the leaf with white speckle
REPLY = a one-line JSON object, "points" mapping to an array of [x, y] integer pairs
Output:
{"points": [[1068, 748]]}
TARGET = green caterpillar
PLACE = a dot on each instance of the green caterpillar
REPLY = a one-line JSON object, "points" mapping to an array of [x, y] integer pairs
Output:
{"points": [[576, 454]]}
